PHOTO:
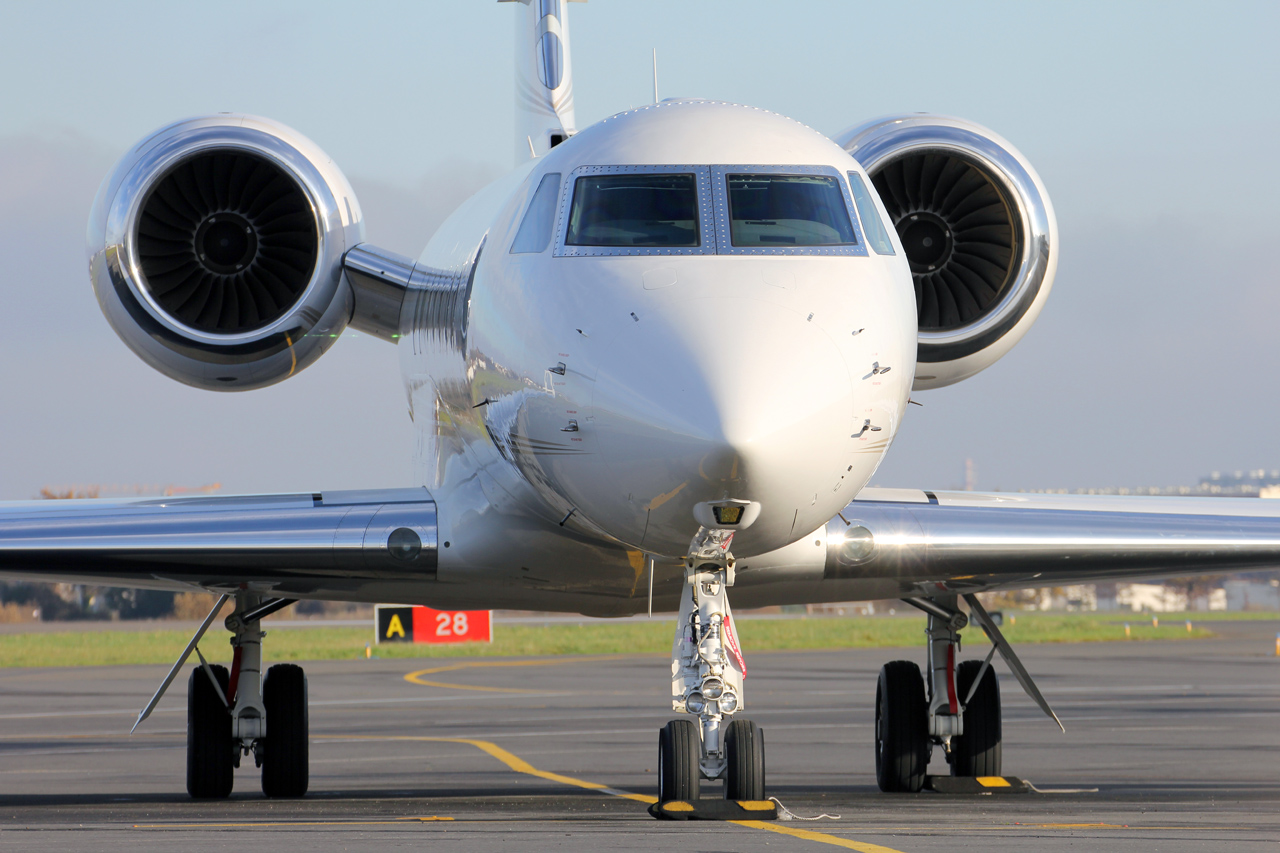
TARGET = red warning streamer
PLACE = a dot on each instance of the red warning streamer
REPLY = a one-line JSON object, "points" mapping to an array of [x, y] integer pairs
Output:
{"points": [[731, 640]]}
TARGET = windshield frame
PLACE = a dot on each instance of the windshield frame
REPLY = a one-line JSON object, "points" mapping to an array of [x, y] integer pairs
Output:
{"points": [[723, 225], [706, 223]]}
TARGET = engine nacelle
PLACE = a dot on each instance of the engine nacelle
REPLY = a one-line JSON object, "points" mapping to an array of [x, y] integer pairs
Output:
{"points": [[978, 230], [215, 249]]}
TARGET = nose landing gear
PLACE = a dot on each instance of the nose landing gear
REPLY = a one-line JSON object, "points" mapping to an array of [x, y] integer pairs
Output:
{"points": [[707, 670]]}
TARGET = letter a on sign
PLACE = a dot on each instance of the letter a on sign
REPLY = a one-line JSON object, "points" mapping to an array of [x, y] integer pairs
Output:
{"points": [[393, 624]]}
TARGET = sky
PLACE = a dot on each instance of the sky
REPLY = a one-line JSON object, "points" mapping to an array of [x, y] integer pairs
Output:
{"points": [[1154, 362]]}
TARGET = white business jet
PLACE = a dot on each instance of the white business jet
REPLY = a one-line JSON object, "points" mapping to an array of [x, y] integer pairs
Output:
{"points": [[653, 368]]}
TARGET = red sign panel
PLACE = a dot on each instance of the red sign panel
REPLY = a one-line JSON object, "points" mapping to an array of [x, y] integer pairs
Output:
{"points": [[398, 624], [452, 626]]}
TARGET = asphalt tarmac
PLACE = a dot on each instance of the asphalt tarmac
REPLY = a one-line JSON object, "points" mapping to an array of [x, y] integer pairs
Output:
{"points": [[1179, 739]]}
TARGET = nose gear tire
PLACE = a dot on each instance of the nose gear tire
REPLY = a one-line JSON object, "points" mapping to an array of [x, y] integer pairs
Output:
{"points": [[902, 734], [977, 751], [679, 749], [284, 752], [744, 748], [210, 752]]}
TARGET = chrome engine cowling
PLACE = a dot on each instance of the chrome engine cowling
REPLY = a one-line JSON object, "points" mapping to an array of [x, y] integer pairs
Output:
{"points": [[977, 228], [215, 250]]}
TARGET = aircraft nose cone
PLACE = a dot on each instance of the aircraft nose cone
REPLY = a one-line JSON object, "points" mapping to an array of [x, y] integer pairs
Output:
{"points": [[724, 398]]}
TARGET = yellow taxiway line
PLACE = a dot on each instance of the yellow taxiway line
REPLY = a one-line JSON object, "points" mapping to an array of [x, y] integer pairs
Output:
{"points": [[416, 676], [519, 765]]}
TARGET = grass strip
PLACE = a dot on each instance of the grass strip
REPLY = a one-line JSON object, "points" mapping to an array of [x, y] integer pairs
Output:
{"points": [[96, 648]]}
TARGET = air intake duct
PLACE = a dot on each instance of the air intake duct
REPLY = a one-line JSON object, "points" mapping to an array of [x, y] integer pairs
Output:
{"points": [[978, 231], [216, 249]]}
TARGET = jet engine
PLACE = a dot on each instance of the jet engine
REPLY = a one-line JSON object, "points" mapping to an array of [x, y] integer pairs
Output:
{"points": [[977, 228], [215, 249]]}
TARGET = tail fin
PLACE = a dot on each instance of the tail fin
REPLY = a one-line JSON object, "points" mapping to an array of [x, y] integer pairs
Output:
{"points": [[544, 77]]}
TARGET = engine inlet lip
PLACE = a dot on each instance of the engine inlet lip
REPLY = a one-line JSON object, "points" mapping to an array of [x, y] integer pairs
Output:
{"points": [[880, 143]]}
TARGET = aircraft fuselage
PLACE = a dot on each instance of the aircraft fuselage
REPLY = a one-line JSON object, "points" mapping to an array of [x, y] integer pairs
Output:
{"points": [[625, 385]]}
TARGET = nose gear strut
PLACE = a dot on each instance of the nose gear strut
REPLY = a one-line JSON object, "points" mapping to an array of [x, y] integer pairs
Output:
{"points": [[707, 671]]}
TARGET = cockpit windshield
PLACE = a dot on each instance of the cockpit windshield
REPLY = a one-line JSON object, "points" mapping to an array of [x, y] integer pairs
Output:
{"points": [[781, 211], [634, 210]]}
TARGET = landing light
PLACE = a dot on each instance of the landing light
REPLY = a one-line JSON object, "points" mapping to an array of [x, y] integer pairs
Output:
{"points": [[727, 514], [728, 702], [712, 688], [858, 546], [695, 704], [404, 544]]}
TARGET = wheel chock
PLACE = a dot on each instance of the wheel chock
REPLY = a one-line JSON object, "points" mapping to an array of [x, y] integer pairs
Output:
{"points": [[977, 785], [715, 810]]}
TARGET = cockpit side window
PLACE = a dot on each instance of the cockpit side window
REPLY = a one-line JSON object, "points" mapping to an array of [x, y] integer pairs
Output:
{"points": [[634, 211], [540, 219], [779, 211], [872, 224]]}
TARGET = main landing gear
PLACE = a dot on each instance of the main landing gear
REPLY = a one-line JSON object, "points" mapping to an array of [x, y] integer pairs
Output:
{"points": [[707, 670], [233, 714], [247, 714], [956, 707]]}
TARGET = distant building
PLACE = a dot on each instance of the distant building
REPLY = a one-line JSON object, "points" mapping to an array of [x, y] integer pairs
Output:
{"points": [[1165, 598], [1252, 594]]}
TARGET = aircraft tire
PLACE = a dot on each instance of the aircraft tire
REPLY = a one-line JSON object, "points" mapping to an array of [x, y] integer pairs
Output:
{"points": [[210, 752], [744, 748], [902, 737], [285, 771], [679, 751], [977, 751]]}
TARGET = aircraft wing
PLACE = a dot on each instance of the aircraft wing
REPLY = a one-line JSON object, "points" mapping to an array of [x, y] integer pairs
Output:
{"points": [[1017, 540], [356, 544], [300, 545]]}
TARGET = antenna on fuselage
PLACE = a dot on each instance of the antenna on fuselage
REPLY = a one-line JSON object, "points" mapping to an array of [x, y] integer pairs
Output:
{"points": [[655, 75], [649, 562]]}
